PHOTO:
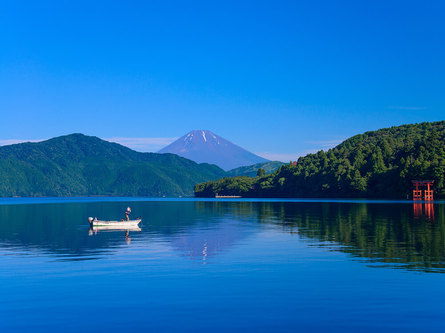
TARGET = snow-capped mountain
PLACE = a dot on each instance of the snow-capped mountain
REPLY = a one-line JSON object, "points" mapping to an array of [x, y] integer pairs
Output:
{"points": [[203, 146]]}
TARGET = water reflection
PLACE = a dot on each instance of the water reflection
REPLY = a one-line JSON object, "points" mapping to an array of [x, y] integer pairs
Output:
{"points": [[401, 235], [201, 242], [94, 230], [429, 210], [417, 209], [390, 233]]}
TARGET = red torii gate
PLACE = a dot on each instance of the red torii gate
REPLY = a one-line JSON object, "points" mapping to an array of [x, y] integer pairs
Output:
{"points": [[417, 193]]}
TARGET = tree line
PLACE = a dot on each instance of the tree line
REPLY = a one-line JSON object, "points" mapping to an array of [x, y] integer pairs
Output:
{"points": [[376, 164]]}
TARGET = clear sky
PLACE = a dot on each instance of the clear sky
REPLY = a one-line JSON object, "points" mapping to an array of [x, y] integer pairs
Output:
{"points": [[279, 78]]}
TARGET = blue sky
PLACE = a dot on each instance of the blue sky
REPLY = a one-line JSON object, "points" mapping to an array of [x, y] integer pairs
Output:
{"points": [[279, 78]]}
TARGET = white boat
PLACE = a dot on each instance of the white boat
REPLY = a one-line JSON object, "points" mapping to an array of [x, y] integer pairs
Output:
{"points": [[94, 222], [114, 228]]}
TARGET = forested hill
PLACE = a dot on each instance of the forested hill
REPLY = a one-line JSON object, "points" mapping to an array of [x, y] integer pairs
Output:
{"points": [[76, 165], [252, 170], [377, 164]]}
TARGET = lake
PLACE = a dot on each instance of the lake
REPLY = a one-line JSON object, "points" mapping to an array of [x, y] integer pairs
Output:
{"points": [[222, 265]]}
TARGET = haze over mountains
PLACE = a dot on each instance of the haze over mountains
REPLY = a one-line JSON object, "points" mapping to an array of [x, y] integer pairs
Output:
{"points": [[203, 146]]}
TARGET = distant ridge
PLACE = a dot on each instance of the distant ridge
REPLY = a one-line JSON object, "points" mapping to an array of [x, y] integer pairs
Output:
{"points": [[251, 170], [80, 165], [203, 146]]}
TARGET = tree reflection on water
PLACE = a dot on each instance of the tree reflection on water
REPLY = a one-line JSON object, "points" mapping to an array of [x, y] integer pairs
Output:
{"points": [[399, 234]]}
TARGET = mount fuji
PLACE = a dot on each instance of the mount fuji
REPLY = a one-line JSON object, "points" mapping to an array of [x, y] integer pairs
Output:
{"points": [[203, 146]]}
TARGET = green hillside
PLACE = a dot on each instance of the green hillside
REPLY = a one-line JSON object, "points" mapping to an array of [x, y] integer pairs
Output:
{"points": [[375, 164], [251, 170], [76, 165]]}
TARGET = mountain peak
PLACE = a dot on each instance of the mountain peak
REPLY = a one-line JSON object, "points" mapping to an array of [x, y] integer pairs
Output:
{"points": [[201, 136], [204, 146]]}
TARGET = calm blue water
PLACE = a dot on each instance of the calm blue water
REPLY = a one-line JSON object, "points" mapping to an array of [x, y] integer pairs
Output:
{"points": [[200, 266]]}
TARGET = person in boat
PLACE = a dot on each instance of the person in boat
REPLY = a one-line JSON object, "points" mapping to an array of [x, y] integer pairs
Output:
{"points": [[127, 213]]}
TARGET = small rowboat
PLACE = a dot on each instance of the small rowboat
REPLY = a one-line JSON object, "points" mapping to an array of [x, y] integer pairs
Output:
{"points": [[121, 224], [114, 228]]}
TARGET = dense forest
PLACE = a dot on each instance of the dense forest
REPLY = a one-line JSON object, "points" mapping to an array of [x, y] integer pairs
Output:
{"points": [[377, 164], [78, 165]]}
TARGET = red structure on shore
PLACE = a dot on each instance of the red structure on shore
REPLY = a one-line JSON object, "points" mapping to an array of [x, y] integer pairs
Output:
{"points": [[417, 191]]}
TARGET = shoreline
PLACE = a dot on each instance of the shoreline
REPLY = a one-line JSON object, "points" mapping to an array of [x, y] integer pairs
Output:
{"points": [[50, 200]]}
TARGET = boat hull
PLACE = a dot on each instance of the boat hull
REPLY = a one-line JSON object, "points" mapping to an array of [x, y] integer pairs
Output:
{"points": [[119, 224], [114, 228]]}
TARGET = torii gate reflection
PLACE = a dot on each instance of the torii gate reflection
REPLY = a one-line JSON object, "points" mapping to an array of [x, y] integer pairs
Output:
{"points": [[428, 197], [429, 210]]}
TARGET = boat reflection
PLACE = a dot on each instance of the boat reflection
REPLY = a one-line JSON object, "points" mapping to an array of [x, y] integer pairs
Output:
{"points": [[94, 230]]}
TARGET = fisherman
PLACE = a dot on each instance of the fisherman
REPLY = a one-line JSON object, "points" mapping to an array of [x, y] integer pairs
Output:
{"points": [[127, 213]]}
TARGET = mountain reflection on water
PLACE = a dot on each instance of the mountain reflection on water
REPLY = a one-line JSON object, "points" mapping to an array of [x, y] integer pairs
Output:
{"points": [[400, 235]]}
